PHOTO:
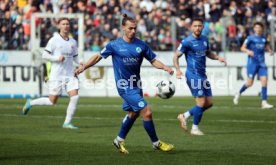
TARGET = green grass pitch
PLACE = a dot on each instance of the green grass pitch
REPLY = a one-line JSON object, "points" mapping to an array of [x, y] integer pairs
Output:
{"points": [[242, 134]]}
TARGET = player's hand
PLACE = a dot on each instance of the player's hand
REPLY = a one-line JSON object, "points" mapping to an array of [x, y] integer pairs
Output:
{"points": [[61, 58], [79, 70], [271, 52], [179, 74], [250, 53], [222, 60], [169, 70]]}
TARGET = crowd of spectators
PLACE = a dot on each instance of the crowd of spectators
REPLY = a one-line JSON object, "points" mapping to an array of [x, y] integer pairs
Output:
{"points": [[161, 23]]}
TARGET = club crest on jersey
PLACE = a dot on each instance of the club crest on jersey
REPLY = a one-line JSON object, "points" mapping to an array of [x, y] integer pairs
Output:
{"points": [[72, 47], [141, 104], [200, 92], [263, 40], [205, 43], [138, 50]]}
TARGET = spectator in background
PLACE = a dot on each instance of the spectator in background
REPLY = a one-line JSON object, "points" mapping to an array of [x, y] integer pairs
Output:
{"points": [[215, 13], [215, 46], [270, 7], [149, 5]]}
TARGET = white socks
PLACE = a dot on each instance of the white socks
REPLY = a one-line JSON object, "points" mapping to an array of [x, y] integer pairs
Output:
{"points": [[187, 115], [120, 139], [41, 101], [156, 143], [71, 108], [194, 127]]}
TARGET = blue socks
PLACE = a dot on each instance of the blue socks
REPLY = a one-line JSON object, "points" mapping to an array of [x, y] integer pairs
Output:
{"points": [[197, 111], [125, 127], [264, 93], [243, 88], [149, 127]]}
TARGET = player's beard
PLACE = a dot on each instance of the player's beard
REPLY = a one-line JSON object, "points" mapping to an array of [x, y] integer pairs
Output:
{"points": [[197, 33], [131, 36]]}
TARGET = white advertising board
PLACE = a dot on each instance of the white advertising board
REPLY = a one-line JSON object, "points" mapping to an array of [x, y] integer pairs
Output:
{"points": [[18, 78]]}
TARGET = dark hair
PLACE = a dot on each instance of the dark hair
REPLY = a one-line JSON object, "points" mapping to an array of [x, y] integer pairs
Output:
{"points": [[198, 19], [258, 23], [63, 18], [126, 18]]}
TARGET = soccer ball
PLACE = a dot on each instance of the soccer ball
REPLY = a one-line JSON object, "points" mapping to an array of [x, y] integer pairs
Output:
{"points": [[165, 89]]}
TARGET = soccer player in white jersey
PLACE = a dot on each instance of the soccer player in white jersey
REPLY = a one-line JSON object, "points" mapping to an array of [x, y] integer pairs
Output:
{"points": [[61, 51]]}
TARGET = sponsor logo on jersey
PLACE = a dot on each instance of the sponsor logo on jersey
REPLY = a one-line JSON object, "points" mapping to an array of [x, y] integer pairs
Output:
{"points": [[130, 59], [260, 46]]}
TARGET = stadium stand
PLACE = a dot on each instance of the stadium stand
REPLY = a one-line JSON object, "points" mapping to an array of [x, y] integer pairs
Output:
{"points": [[154, 17]]}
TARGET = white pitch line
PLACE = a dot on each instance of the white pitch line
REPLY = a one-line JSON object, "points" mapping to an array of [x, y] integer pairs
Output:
{"points": [[158, 119]]}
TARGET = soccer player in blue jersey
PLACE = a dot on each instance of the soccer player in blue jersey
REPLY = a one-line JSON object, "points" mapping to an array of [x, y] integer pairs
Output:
{"points": [[255, 46], [196, 49], [127, 54]]}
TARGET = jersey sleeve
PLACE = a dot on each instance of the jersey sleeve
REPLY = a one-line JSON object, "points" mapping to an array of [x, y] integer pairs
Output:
{"points": [[208, 44], [247, 41], [75, 49], [107, 50], [182, 46], [149, 54], [266, 40], [50, 46]]}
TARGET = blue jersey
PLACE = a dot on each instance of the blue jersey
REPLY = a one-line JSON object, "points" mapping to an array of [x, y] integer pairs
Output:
{"points": [[195, 52], [257, 45], [127, 59]]}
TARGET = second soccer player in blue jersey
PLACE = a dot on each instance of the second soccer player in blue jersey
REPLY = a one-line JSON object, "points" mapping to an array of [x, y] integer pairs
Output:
{"points": [[255, 46], [196, 49]]}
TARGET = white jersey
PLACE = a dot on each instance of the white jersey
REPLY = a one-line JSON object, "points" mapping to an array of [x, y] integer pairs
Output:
{"points": [[56, 47]]}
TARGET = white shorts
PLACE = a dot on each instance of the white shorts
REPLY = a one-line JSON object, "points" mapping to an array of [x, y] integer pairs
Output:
{"points": [[67, 84]]}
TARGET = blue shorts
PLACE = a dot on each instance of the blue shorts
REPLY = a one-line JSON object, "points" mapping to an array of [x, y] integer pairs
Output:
{"points": [[254, 68], [133, 100], [199, 86]]}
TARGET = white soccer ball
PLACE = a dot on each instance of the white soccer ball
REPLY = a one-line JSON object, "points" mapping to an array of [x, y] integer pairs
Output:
{"points": [[165, 89]]}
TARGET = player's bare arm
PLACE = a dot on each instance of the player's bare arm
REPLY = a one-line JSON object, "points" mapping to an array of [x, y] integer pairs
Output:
{"points": [[176, 57], [92, 61], [247, 51], [159, 65], [213, 56]]}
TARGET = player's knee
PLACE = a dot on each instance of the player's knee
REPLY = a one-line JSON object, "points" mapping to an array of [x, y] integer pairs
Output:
{"points": [[147, 114], [201, 103], [249, 84], [133, 115], [53, 101]]}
